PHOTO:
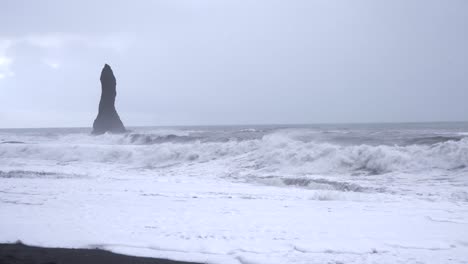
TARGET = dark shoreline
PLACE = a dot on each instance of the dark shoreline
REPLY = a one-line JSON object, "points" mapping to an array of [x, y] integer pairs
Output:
{"points": [[22, 254]]}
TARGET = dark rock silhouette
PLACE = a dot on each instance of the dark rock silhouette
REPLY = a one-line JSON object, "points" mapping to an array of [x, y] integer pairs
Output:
{"points": [[107, 119]]}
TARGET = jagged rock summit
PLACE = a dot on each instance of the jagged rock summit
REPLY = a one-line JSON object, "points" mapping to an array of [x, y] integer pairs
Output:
{"points": [[107, 119]]}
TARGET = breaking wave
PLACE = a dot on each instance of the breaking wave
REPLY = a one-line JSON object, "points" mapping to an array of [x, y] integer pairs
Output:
{"points": [[433, 140], [264, 154]]}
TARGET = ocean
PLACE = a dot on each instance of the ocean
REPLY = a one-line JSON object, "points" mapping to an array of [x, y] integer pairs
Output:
{"points": [[243, 194]]}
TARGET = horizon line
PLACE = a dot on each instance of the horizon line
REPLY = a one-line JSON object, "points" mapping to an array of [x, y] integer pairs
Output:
{"points": [[251, 124]]}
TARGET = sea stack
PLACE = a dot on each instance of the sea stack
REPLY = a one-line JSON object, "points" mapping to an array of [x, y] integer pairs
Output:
{"points": [[107, 119]]}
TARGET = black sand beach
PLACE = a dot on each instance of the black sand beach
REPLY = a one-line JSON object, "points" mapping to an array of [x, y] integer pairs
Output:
{"points": [[22, 254]]}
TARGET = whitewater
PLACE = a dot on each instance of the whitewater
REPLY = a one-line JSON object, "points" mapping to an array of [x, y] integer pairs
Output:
{"points": [[346, 193]]}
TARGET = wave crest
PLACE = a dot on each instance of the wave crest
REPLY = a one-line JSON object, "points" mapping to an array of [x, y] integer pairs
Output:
{"points": [[276, 152]]}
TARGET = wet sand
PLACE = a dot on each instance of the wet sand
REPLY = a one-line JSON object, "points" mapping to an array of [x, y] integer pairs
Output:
{"points": [[22, 254]]}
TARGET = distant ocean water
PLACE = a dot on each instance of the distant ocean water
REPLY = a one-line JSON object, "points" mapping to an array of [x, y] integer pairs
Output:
{"points": [[253, 153]]}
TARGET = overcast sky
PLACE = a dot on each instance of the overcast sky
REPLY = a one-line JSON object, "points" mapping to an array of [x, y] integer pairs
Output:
{"points": [[234, 62]]}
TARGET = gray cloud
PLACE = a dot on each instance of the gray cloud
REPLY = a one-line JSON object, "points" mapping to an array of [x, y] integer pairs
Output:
{"points": [[226, 62]]}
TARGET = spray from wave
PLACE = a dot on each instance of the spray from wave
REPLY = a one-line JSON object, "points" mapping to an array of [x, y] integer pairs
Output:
{"points": [[250, 151]]}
